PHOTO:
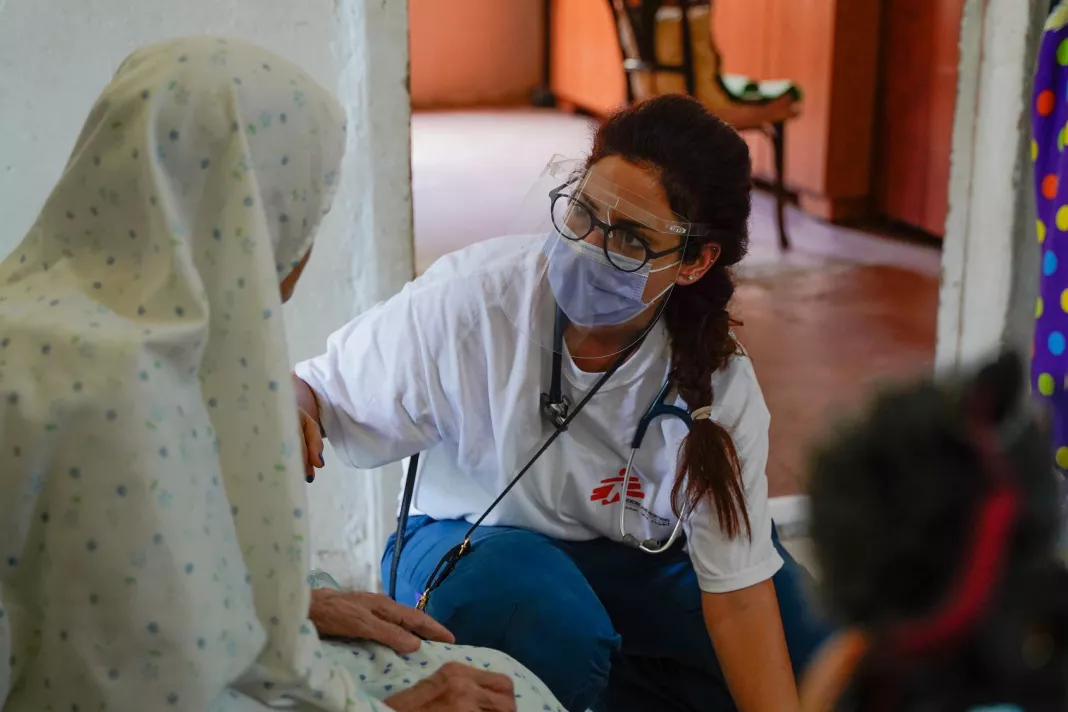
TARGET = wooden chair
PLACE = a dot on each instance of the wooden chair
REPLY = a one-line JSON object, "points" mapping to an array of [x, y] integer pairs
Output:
{"points": [[668, 48]]}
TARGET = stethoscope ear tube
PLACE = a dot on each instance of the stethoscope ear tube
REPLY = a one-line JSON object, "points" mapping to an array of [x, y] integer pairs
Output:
{"points": [[555, 406], [402, 523]]}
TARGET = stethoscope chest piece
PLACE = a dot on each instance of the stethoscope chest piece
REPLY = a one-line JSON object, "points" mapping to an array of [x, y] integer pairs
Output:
{"points": [[649, 546], [556, 410]]}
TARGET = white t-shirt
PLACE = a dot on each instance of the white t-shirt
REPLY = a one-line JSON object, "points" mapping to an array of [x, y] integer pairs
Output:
{"points": [[441, 369]]}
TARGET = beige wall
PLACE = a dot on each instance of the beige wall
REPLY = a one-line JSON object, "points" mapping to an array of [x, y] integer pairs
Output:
{"points": [[475, 52]]}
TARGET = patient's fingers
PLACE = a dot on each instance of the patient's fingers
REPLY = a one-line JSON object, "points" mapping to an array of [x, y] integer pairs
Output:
{"points": [[495, 702], [416, 621], [495, 682], [352, 615], [372, 616], [392, 636], [491, 691], [458, 688], [420, 697]]}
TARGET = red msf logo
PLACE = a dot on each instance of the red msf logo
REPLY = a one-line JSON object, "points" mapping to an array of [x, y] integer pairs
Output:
{"points": [[609, 490]]}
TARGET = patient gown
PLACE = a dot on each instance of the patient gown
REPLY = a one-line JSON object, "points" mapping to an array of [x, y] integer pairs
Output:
{"points": [[153, 513]]}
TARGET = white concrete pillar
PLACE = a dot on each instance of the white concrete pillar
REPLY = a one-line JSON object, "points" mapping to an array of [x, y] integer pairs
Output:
{"points": [[990, 262], [55, 57], [365, 254]]}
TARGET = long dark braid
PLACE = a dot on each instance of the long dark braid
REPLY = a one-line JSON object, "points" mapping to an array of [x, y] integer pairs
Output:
{"points": [[704, 166]]}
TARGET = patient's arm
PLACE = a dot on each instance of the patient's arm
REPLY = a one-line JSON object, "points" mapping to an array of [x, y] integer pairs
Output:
{"points": [[372, 616]]}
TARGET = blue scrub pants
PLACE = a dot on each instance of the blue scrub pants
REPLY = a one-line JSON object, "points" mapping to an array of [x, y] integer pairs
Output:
{"points": [[605, 626]]}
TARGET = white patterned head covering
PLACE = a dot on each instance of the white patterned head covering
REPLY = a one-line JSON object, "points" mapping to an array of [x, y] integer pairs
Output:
{"points": [[153, 533]]}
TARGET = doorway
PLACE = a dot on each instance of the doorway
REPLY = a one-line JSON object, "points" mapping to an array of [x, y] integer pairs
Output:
{"points": [[822, 322]]}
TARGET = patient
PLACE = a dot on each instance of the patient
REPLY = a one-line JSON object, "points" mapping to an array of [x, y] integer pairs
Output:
{"points": [[935, 524], [153, 519]]}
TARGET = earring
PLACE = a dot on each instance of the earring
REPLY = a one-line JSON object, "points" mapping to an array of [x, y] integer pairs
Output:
{"points": [[691, 278]]}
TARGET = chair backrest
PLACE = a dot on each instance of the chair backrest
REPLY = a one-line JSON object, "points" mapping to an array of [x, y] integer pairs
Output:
{"points": [[668, 47], [637, 27], [635, 22]]}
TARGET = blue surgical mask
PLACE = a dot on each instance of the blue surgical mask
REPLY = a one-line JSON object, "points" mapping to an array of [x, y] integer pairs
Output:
{"points": [[592, 292]]}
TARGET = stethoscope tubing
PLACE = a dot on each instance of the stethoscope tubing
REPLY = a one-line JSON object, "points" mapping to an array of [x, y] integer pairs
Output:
{"points": [[555, 406], [561, 423]]}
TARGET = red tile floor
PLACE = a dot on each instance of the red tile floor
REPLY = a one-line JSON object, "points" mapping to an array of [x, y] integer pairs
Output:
{"points": [[823, 323], [821, 339]]}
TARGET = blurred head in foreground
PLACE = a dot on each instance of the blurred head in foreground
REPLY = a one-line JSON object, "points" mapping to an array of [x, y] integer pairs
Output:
{"points": [[935, 521]]}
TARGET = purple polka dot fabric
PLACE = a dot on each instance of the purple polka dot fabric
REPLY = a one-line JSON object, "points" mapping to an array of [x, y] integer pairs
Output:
{"points": [[1049, 111]]}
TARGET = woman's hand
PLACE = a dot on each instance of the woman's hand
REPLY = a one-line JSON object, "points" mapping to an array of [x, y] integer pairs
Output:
{"points": [[457, 688], [313, 443], [311, 429], [372, 616]]}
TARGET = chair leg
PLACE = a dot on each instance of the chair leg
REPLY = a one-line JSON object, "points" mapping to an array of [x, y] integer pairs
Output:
{"points": [[778, 140]]}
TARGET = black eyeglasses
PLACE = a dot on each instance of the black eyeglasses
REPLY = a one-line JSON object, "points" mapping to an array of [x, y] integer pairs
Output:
{"points": [[624, 248]]}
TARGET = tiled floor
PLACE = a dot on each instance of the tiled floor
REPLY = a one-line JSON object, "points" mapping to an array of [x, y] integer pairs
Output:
{"points": [[823, 322], [820, 339]]}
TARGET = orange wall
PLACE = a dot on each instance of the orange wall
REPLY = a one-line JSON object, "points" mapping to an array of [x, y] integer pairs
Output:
{"points": [[475, 52], [914, 133], [830, 47], [587, 66]]}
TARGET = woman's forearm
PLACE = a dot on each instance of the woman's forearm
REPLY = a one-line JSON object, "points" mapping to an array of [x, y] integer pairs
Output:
{"points": [[747, 633]]}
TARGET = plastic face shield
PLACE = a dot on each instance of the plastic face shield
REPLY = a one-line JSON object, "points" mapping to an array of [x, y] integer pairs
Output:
{"points": [[607, 259]]}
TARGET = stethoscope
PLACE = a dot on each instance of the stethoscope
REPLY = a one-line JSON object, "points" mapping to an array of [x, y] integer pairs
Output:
{"points": [[555, 408]]}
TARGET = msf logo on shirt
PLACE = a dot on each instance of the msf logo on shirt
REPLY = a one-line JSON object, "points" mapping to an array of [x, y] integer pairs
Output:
{"points": [[611, 489]]}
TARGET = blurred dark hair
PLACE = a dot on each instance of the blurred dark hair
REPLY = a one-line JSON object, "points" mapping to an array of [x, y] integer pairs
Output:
{"points": [[704, 167], [895, 500]]}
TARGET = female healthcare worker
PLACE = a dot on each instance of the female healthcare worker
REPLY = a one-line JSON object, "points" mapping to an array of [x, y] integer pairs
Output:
{"points": [[620, 267]]}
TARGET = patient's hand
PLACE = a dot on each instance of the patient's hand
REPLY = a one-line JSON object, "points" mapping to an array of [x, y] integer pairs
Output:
{"points": [[457, 688], [372, 616]]}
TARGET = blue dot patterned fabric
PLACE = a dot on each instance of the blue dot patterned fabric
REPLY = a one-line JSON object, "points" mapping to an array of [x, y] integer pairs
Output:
{"points": [[150, 553], [382, 673], [153, 543]]}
